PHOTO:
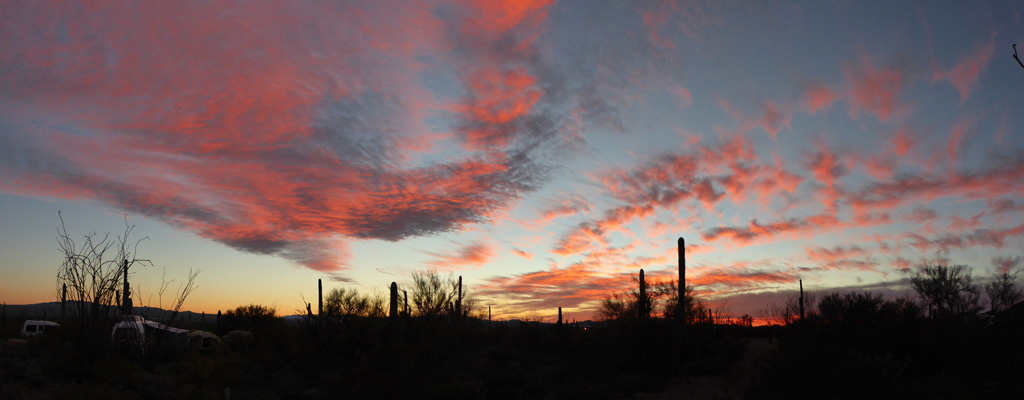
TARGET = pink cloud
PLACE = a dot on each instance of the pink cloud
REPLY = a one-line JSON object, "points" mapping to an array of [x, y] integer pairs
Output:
{"points": [[1003, 205], [992, 181], [960, 129], [316, 139], [874, 90], [684, 96], [826, 165], [758, 232], [522, 253], [818, 253], [774, 118], [945, 242], [565, 208], [817, 97], [471, 255], [1006, 264], [964, 76]]}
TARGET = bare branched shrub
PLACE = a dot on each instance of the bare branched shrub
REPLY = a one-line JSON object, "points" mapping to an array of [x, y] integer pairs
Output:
{"points": [[1003, 292], [433, 295], [89, 280], [775, 313], [660, 296], [342, 301], [947, 290]]}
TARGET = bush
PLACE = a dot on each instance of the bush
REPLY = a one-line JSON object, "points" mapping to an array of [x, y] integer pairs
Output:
{"points": [[254, 318]]}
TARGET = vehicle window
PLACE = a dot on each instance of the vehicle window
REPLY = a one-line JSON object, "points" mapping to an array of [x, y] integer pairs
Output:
{"points": [[30, 328]]}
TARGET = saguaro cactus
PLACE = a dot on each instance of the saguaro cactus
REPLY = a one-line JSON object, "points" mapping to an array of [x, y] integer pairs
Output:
{"points": [[458, 301], [559, 316], [801, 299], [393, 310], [642, 301], [681, 307], [405, 294], [63, 299], [126, 302], [320, 295]]}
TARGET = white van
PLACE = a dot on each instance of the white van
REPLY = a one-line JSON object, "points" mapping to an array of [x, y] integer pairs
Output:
{"points": [[34, 327]]}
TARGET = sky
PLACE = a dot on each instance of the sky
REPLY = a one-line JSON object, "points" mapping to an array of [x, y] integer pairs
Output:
{"points": [[544, 150]]}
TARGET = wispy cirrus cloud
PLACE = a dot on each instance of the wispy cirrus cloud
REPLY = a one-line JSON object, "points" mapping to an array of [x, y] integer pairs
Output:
{"points": [[817, 97], [319, 141], [1006, 264], [964, 75], [470, 255], [874, 90]]}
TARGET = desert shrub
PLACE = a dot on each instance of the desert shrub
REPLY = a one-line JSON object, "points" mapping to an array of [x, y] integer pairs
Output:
{"points": [[254, 318], [342, 301], [239, 340]]}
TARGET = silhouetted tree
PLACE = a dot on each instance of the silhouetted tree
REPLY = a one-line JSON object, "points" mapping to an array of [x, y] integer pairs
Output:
{"points": [[851, 308], [899, 310], [434, 295], [1003, 292], [662, 296], [792, 307], [342, 301], [777, 313], [253, 318], [947, 290], [696, 310]]}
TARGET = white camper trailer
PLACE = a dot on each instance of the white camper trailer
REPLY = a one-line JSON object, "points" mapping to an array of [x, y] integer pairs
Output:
{"points": [[140, 333], [34, 327], [130, 331]]}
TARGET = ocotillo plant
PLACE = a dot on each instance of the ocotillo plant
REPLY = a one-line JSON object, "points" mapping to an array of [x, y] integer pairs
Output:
{"points": [[642, 301], [394, 301]]}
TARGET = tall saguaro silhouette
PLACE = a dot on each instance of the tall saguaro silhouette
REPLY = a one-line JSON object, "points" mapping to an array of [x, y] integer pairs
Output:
{"points": [[801, 300], [126, 301], [393, 309], [458, 302], [678, 349], [642, 306], [681, 306]]}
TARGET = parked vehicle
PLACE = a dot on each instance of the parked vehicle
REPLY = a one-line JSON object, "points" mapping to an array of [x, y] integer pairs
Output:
{"points": [[142, 334], [34, 327], [131, 331]]}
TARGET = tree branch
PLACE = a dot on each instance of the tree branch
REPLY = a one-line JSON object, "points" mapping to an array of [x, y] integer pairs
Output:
{"points": [[1015, 56]]}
